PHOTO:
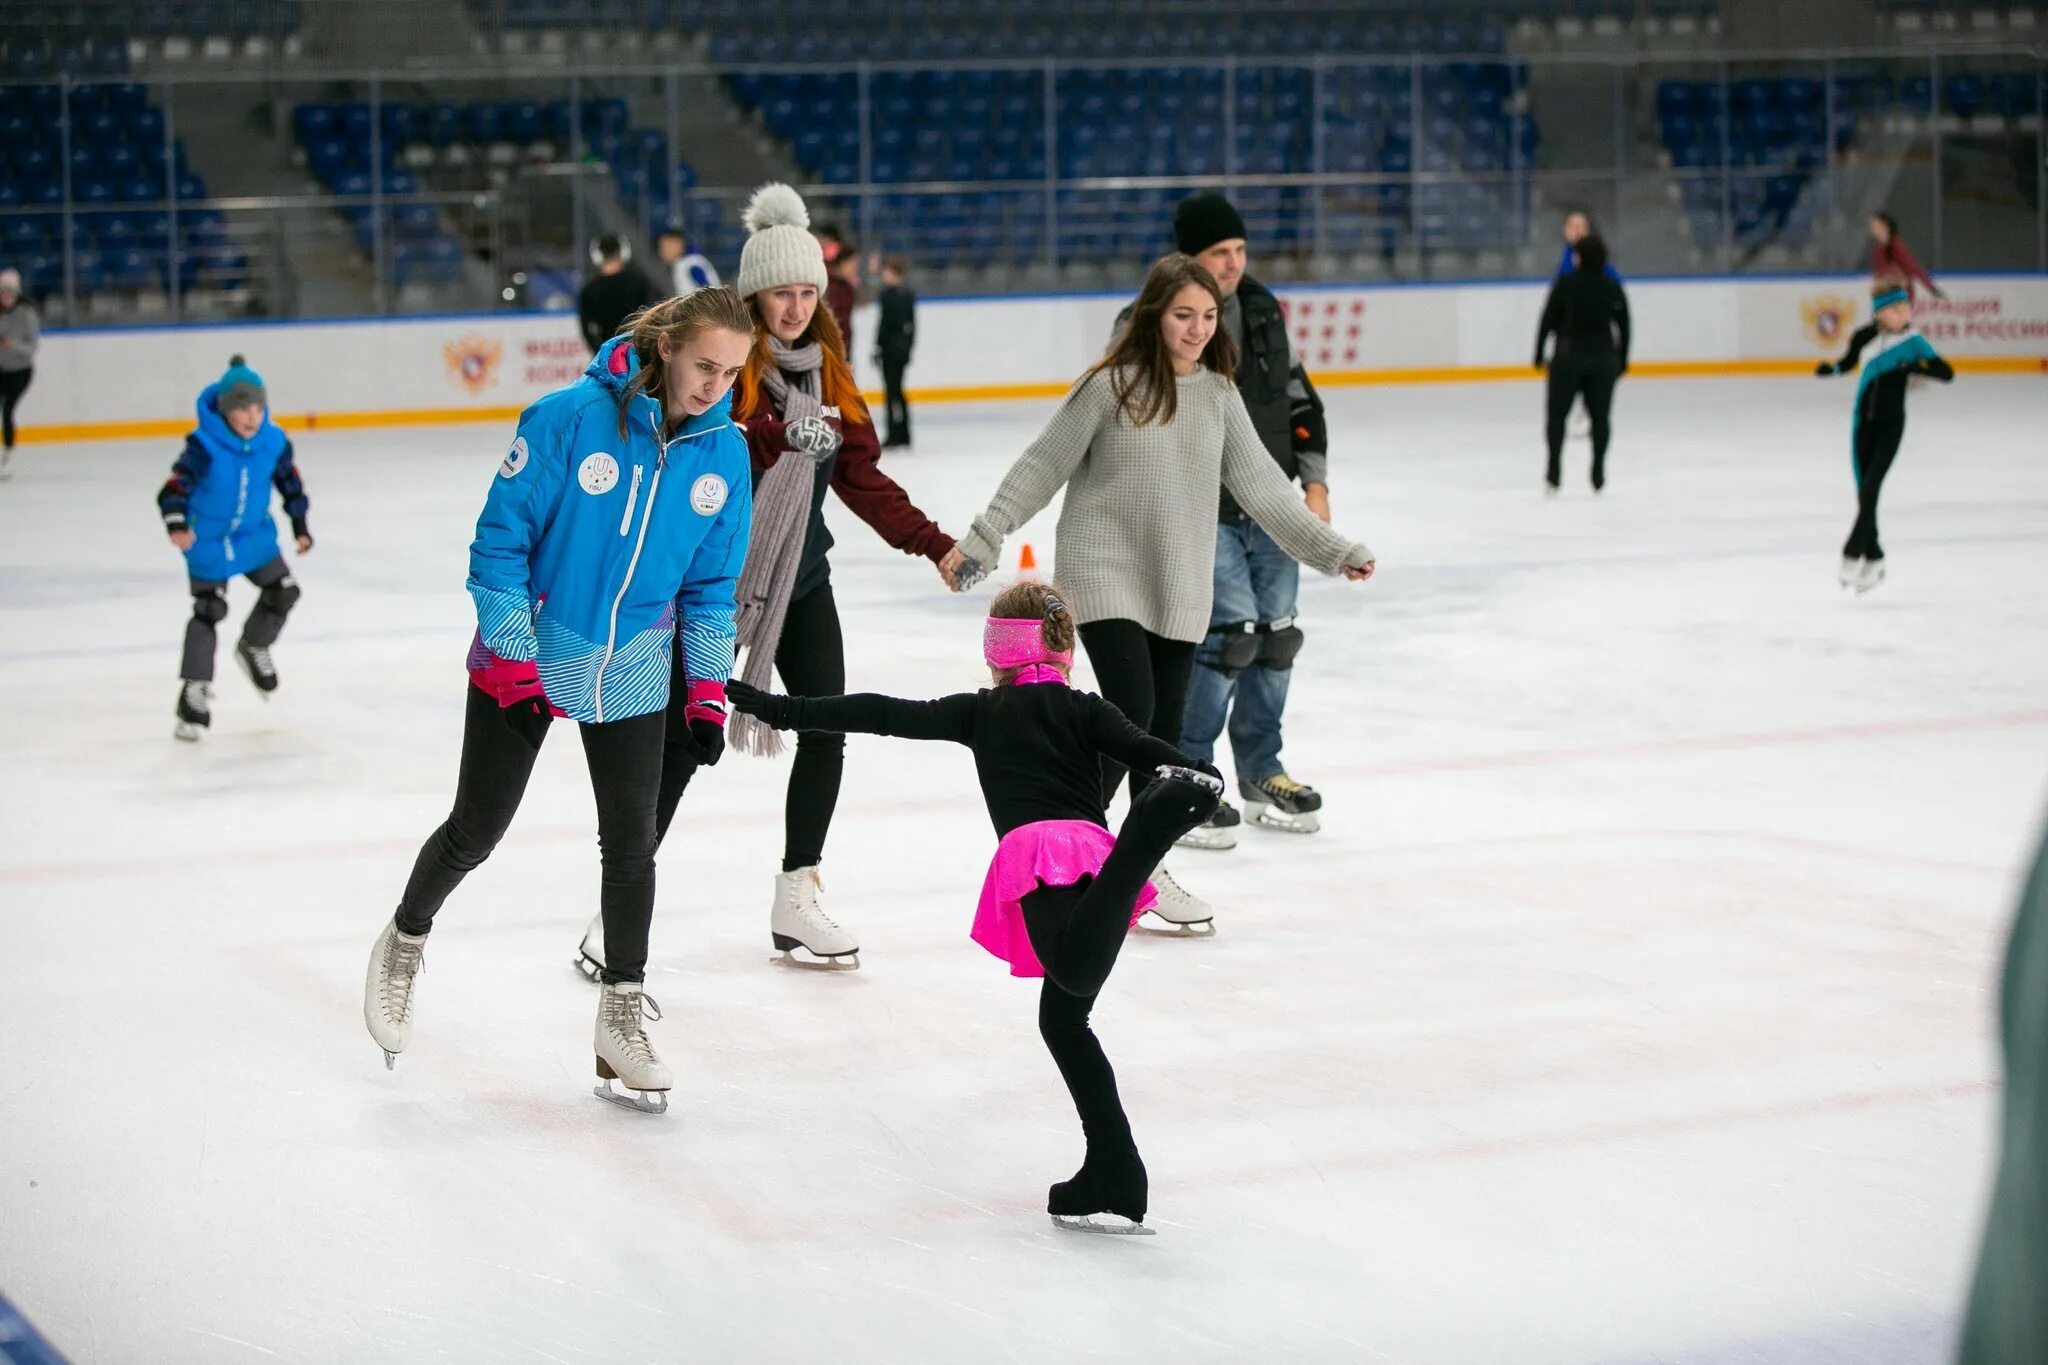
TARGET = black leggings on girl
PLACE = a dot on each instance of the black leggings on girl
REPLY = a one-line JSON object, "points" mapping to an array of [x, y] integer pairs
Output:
{"points": [[625, 771], [1143, 675], [1877, 445], [1077, 932]]}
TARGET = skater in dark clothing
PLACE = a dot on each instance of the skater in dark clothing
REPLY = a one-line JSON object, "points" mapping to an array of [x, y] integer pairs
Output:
{"points": [[896, 336], [616, 292], [1588, 312], [1061, 894], [1890, 256], [1897, 355]]}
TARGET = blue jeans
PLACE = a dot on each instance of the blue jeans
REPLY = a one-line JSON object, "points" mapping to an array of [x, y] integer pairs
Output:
{"points": [[1256, 580]]}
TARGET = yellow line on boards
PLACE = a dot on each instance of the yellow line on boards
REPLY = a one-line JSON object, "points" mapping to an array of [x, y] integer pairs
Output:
{"points": [[173, 427]]}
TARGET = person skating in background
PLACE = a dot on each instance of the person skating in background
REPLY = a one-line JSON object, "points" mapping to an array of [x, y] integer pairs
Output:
{"points": [[20, 334], [617, 522], [809, 433], [1575, 229], [1898, 354], [842, 282], [1587, 312], [896, 336], [216, 510], [688, 270], [1245, 662], [1141, 444], [1891, 258], [616, 292], [1061, 894]]}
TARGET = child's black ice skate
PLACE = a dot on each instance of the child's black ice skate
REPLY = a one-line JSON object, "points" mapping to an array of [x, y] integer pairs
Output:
{"points": [[195, 711], [1106, 1195], [255, 661]]}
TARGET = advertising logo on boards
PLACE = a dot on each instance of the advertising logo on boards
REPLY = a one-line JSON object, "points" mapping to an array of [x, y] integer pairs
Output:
{"points": [[472, 361]]}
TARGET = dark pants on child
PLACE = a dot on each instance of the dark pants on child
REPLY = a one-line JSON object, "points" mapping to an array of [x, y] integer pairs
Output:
{"points": [[624, 757], [1593, 375], [893, 367], [811, 657], [1877, 444], [210, 608], [1143, 675], [1077, 932], [13, 384]]}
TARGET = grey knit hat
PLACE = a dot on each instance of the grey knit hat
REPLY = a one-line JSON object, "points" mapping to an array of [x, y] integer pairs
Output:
{"points": [[780, 249]]}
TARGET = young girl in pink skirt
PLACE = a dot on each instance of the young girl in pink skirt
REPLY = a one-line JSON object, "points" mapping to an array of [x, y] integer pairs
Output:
{"points": [[1061, 893]]}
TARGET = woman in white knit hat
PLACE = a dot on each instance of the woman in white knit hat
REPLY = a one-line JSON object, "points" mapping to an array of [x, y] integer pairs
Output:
{"points": [[1140, 445], [809, 431]]}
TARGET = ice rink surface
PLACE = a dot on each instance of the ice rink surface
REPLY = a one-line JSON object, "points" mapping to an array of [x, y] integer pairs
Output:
{"points": [[1633, 1006]]}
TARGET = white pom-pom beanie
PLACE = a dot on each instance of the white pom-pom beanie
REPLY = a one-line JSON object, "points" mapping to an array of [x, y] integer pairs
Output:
{"points": [[780, 249]]}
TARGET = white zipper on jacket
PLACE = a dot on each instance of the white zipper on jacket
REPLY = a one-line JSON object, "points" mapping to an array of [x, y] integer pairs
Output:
{"points": [[632, 500], [611, 638]]}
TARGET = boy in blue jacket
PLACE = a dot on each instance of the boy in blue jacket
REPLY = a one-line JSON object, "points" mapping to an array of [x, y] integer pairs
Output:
{"points": [[216, 507]]}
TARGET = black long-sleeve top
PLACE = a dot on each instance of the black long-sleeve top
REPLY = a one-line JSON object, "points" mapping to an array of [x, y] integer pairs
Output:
{"points": [[896, 332], [1038, 747], [606, 301], [1881, 399], [1588, 313]]}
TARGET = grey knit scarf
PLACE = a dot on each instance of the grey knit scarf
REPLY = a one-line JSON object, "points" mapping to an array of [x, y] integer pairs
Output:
{"points": [[782, 517]]}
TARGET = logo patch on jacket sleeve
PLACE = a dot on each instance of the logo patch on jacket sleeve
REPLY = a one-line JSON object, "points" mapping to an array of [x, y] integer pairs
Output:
{"points": [[598, 473], [515, 459], [707, 495]]}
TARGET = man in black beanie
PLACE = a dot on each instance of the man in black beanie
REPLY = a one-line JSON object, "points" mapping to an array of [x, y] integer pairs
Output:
{"points": [[1244, 665]]}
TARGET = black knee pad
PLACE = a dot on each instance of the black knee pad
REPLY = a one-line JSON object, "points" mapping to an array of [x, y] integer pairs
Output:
{"points": [[1279, 641], [1240, 648], [210, 607], [279, 596]]}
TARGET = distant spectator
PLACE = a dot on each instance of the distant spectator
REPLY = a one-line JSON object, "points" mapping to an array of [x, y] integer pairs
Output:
{"points": [[20, 331], [842, 284], [1577, 226], [897, 336], [1889, 255], [690, 270], [616, 292]]}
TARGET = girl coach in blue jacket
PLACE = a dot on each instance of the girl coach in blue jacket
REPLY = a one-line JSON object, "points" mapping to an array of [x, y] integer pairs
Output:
{"points": [[608, 548]]}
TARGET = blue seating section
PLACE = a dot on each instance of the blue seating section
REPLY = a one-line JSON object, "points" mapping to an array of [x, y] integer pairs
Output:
{"points": [[85, 39], [123, 179]]}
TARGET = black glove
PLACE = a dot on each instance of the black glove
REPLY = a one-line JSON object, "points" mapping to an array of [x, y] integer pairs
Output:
{"points": [[528, 718], [299, 531], [1824, 369], [766, 707], [706, 744], [1311, 429], [814, 436]]}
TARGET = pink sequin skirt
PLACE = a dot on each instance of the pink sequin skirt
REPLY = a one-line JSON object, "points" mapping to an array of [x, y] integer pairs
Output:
{"points": [[1048, 853]]}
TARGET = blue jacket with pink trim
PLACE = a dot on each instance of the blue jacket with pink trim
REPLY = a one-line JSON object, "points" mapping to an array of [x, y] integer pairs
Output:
{"points": [[593, 545]]}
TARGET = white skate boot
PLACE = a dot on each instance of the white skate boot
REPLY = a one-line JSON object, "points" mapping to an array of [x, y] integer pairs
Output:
{"points": [[387, 991], [1852, 569], [629, 1073], [1871, 575], [195, 711], [1219, 831], [1190, 915], [1281, 803], [590, 952], [799, 921]]}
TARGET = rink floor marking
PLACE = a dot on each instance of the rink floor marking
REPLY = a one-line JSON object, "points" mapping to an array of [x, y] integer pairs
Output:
{"points": [[156, 864]]}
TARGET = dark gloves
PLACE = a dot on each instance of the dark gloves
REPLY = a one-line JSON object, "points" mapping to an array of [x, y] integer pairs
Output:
{"points": [[704, 718], [300, 533], [766, 707], [1311, 429], [1824, 369], [528, 717], [813, 436]]}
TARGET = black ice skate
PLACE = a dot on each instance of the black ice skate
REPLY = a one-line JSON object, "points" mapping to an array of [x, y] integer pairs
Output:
{"points": [[195, 711], [255, 661], [1219, 831], [1279, 802], [1106, 1195]]}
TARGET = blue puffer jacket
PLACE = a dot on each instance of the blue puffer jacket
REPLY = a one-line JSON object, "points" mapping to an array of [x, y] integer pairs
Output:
{"points": [[219, 490], [591, 544]]}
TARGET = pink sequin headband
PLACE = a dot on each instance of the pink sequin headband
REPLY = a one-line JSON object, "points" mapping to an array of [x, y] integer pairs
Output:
{"points": [[1007, 642]]}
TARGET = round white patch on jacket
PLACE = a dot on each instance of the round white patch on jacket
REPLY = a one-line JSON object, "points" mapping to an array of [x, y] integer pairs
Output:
{"points": [[515, 459], [598, 473], [707, 495]]}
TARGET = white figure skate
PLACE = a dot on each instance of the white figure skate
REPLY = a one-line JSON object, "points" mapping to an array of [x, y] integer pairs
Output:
{"points": [[629, 1073], [1189, 915], [387, 990], [1871, 575], [798, 920], [590, 952]]}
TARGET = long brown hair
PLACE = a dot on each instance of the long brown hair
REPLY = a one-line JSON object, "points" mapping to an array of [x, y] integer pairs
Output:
{"points": [[836, 387], [1140, 367], [678, 320]]}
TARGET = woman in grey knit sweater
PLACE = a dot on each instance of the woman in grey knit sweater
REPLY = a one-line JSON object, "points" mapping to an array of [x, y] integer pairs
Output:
{"points": [[1141, 445]]}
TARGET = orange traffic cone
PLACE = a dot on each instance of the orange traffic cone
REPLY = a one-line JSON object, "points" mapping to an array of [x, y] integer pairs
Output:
{"points": [[1027, 562]]}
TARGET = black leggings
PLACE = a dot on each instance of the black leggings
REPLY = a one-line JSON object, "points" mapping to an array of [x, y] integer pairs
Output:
{"points": [[13, 384], [1143, 675], [625, 772], [811, 657], [1077, 932], [1592, 375], [210, 608], [1877, 445]]}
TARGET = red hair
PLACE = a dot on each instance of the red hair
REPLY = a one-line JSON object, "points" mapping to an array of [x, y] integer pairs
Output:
{"points": [[836, 386]]}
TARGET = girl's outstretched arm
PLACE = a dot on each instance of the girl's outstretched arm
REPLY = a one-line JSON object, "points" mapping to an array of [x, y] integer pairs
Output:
{"points": [[860, 713]]}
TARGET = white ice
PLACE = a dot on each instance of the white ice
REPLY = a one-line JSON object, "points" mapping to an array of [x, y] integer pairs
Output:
{"points": [[1634, 1004]]}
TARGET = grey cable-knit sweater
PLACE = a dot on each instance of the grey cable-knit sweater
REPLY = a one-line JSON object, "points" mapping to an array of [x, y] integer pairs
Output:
{"points": [[1137, 534]]}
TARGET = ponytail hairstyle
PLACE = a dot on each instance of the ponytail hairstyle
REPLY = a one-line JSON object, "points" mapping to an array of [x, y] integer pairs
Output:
{"points": [[1140, 368], [677, 320], [1047, 606], [836, 386]]}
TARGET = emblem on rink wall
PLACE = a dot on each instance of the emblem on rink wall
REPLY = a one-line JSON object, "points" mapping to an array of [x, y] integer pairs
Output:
{"points": [[1827, 319], [472, 362], [1328, 330]]}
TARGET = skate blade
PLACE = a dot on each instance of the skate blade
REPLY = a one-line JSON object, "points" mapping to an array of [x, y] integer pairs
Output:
{"points": [[187, 734], [390, 1060], [639, 1101], [1271, 817], [837, 962], [1200, 928], [1112, 1224], [1203, 837], [587, 967]]}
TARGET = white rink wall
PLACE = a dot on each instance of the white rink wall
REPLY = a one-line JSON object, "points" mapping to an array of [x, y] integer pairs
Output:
{"points": [[143, 381]]}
